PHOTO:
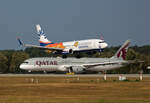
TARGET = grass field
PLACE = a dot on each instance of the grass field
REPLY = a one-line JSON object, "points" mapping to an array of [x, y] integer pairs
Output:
{"points": [[73, 90]]}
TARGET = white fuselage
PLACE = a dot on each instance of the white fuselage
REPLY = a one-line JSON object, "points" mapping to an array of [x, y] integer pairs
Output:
{"points": [[77, 65], [70, 46], [83, 45]]}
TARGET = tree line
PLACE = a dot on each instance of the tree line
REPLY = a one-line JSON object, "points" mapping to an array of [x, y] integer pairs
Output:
{"points": [[11, 59]]}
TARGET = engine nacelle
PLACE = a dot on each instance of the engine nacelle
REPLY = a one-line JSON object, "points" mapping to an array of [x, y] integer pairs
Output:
{"points": [[68, 51], [63, 69], [48, 51], [77, 69]]}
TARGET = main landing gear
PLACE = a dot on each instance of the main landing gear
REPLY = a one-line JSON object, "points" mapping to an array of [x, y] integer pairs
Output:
{"points": [[70, 72], [77, 56], [64, 56]]}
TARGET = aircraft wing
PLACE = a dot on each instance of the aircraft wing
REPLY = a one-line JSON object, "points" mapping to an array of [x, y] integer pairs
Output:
{"points": [[114, 62], [103, 64], [36, 46]]}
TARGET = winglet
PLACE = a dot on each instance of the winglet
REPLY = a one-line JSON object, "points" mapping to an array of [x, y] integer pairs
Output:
{"points": [[101, 37], [20, 42]]}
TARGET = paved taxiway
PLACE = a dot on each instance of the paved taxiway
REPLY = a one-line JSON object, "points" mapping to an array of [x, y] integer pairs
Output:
{"points": [[76, 75]]}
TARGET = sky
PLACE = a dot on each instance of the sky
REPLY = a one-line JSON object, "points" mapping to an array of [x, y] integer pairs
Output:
{"points": [[67, 20]]}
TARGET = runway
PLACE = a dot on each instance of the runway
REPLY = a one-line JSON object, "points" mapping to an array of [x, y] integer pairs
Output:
{"points": [[76, 75]]}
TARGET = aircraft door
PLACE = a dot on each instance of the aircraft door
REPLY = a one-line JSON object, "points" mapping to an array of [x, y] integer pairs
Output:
{"points": [[93, 44]]}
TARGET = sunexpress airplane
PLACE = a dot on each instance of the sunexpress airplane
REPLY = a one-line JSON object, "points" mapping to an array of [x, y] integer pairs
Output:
{"points": [[70, 47]]}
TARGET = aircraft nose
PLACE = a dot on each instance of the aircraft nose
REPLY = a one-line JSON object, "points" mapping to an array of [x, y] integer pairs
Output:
{"points": [[23, 66], [104, 45]]}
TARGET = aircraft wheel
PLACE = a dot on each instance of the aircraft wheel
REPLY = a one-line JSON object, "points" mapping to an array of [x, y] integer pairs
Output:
{"points": [[64, 56], [94, 52], [78, 56]]}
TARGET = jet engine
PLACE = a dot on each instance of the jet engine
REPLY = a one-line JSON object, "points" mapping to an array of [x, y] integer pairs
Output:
{"points": [[63, 68], [66, 51], [76, 69], [70, 69]]}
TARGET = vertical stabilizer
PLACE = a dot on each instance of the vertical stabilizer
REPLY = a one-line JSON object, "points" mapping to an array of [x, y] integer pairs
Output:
{"points": [[42, 38], [39, 30], [122, 52]]}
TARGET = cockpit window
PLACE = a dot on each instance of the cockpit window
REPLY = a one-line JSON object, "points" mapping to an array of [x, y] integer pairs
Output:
{"points": [[101, 42], [26, 62]]}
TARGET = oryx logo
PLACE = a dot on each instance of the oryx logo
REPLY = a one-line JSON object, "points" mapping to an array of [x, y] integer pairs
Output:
{"points": [[123, 51]]}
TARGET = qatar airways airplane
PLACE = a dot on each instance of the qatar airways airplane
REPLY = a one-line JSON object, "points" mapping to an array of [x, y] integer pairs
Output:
{"points": [[78, 65], [70, 47]]}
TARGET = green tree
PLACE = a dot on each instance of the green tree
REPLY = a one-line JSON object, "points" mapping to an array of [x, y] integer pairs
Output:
{"points": [[17, 59], [133, 67], [3, 63], [8, 54]]}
